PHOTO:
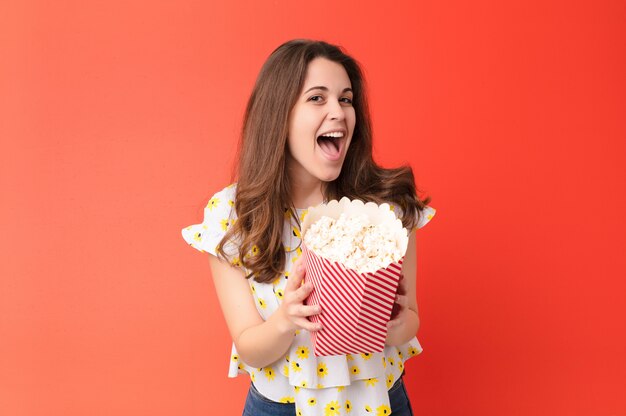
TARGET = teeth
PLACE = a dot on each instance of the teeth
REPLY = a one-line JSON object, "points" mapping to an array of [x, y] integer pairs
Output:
{"points": [[333, 134]]}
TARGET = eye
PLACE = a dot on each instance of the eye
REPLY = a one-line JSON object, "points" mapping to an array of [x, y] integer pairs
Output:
{"points": [[346, 100], [316, 98]]}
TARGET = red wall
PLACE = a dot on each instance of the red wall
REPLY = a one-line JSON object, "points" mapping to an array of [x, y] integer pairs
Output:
{"points": [[119, 119]]}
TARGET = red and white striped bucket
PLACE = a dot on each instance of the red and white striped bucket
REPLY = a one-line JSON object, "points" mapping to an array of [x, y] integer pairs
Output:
{"points": [[355, 306]]}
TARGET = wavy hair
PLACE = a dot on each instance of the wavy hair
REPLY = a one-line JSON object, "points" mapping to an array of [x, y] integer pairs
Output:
{"points": [[263, 184]]}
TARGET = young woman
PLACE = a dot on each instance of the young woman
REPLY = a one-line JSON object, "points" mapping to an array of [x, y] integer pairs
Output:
{"points": [[306, 139]]}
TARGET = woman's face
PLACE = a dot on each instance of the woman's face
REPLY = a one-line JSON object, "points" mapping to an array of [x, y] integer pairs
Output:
{"points": [[321, 123]]}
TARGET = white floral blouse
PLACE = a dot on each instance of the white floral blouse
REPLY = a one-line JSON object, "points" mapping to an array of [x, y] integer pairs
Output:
{"points": [[354, 384]]}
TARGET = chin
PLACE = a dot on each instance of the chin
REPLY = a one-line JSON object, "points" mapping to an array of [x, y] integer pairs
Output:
{"points": [[329, 177]]}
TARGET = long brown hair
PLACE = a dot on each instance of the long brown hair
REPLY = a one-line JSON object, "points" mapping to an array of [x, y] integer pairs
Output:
{"points": [[263, 185]]}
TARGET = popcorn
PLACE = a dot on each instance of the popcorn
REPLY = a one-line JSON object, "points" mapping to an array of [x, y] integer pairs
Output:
{"points": [[354, 241], [353, 255]]}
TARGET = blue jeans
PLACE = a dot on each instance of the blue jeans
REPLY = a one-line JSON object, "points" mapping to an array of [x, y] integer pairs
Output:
{"points": [[259, 405]]}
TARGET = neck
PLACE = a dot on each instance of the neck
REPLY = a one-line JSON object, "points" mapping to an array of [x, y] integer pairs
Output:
{"points": [[307, 192]]}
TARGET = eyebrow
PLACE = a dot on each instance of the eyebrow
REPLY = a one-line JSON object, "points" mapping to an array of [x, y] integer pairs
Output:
{"points": [[321, 87]]}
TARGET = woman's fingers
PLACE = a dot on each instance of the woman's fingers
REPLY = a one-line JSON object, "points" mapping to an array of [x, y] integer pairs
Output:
{"points": [[402, 300], [295, 279], [308, 325], [303, 292], [295, 294], [401, 290], [395, 322], [305, 310]]}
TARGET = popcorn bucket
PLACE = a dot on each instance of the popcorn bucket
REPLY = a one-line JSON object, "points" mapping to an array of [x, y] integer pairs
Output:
{"points": [[355, 306]]}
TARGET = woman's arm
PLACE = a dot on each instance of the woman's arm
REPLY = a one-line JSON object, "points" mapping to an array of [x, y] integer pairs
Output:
{"points": [[405, 325], [260, 343]]}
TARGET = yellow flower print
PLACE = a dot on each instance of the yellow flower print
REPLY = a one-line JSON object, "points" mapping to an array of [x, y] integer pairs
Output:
{"points": [[389, 381], [384, 363], [413, 351], [320, 386], [429, 217], [295, 366], [303, 384], [286, 370], [355, 370], [332, 409], [252, 287], [368, 409], [390, 360], [371, 382], [252, 377], [383, 410], [287, 213], [286, 399], [231, 202], [262, 303], [197, 236], [253, 251], [235, 357], [312, 401], [303, 352], [366, 355], [400, 354], [348, 406], [225, 224], [213, 202], [296, 232], [349, 357], [400, 365], [279, 293], [303, 214], [340, 388], [240, 367], [296, 388], [299, 412], [322, 370], [236, 262], [269, 373]]}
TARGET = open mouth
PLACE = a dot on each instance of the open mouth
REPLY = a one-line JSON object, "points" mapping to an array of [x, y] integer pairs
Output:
{"points": [[330, 143]]}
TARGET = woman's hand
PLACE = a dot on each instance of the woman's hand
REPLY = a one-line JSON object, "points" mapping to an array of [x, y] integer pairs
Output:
{"points": [[398, 313], [405, 321], [293, 310]]}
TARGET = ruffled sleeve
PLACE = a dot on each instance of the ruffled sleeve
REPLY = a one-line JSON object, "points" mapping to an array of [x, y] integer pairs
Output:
{"points": [[425, 216], [219, 216]]}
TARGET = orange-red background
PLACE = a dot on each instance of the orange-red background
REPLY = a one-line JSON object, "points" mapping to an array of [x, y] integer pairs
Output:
{"points": [[119, 120]]}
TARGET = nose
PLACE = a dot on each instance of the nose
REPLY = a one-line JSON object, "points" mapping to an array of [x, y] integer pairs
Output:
{"points": [[336, 111]]}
